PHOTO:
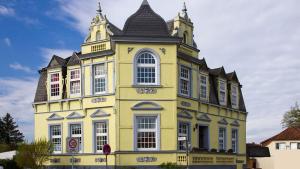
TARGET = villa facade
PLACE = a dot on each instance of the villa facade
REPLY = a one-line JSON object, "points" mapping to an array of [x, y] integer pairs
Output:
{"points": [[139, 89]]}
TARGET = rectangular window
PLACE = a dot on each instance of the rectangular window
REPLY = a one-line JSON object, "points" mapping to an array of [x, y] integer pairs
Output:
{"points": [[234, 140], [75, 82], [222, 92], [280, 146], [55, 138], [101, 135], [99, 78], [222, 139], [294, 146], [146, 133], [234, 96], [183, 131], [76, 132], [54, 84], [185, 81], [203, 87]]}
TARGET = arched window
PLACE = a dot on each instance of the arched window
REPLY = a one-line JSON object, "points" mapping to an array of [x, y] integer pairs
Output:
{"points": [[185, 37], [146, 69], [98, 36]]}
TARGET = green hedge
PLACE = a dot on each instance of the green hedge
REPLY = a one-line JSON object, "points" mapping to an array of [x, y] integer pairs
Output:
{"points": [[9, 164]]}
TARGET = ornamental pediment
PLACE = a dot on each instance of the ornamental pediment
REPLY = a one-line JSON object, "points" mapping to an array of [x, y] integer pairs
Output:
{"points": [[184, 114], [75, 115], [99, 113], [146, 105], [54, 116], [223, 121], [203, 117], [235, 123]]}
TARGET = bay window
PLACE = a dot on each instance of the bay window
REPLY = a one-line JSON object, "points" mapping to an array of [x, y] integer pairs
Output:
{"points": [[75, 82], [101, 136], [185, 81], [146, 133], [55, 138], [99, 79]]}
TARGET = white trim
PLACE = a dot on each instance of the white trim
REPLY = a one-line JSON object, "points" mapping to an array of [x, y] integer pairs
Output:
{"points": [[222, 102], [74, 80], [188, 80], [61, 136], [204, 85], [101, 76], [234, 87]]}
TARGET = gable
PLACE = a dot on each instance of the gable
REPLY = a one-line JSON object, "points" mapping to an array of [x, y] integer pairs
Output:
{"points": [[184, 114], [203, 117], [146, 105], [235, 123], [223, 121]]}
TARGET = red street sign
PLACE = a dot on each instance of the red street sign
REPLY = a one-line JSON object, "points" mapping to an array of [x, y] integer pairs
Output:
{"points": [[73, 143], [106, 149]]}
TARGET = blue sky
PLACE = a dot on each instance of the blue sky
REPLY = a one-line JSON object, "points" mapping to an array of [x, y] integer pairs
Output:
{"points": [[258, 39]]}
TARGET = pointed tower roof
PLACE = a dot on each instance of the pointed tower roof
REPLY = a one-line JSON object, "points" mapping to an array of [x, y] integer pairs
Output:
{"points": [[145, 22]]}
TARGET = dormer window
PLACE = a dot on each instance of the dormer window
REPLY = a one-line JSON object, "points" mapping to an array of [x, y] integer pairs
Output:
{"points": [[185, 81], [222, 92], [75, 82], [98, 36], [146, 69], [54, 85], [234, 96], [203, 87]]}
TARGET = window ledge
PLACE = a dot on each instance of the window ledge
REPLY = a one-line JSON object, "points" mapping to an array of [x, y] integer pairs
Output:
{"points": [[147, 86]]}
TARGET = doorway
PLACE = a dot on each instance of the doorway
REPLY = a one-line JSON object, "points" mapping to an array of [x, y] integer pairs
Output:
{"points": [[203, 137]]}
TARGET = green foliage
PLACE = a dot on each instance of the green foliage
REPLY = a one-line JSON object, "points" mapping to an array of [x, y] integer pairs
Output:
{"points": [[292, 117], [9, 133], [9, 164], [34, 155], [4, 148], [169, 165]]}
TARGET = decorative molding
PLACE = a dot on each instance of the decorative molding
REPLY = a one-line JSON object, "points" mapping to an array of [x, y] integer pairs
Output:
{"points": [[185, 104], [163, 50], [99, 100], [147, 105], [74, 115], [203, 117], [223, 121], [235, 123], [55, 116], [146, 91], [130, 49], [99, 113], [146, 159], [184, 114]]}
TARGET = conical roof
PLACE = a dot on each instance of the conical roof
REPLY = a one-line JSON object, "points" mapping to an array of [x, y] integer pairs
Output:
{"points": [[145, 22]]}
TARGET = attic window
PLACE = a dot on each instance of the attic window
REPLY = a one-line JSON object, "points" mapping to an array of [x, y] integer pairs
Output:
{"points": [[98, 36], [54, 84], [234, 96], [222, 92]]}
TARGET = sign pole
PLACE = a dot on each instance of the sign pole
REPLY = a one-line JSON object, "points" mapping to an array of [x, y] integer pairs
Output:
{"points": [[187, 153], [106, 161], [72, 160]]}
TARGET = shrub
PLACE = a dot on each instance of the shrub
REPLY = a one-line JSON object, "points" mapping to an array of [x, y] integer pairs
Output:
{"points": [[169, 165], [9, 164], [213, 150]]}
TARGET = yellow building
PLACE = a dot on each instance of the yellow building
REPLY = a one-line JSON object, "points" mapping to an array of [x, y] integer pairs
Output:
{"points": [[141, 90]]}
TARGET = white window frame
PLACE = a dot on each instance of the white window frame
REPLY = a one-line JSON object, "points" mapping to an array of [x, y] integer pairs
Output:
{"points": [[187, 135], [55, 83], [234, 93], [101, 135], [156, 67], [234, 140], [294, 143], [223, 139], [51, 137], [223, 102], [102, 76], [77, 135], [188, 80], [280, 146], [156, 130], [74, 80], [204, 86]]}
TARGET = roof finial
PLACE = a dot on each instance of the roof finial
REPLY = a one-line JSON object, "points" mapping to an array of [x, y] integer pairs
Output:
{"points": [[99, 10], [145, 2], [184, 12]]}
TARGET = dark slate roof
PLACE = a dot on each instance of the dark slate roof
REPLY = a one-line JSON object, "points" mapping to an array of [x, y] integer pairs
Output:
{"points": [[291, 134], [255, 150], [57, 61], [213, 80], [115, 30], [97, 54], [232, 76], [41, 91], [74, 60], [145, 22]]}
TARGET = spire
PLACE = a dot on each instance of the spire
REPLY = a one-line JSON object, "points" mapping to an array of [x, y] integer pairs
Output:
{"points": [[184, 12], [99, 10], [145, 2]]}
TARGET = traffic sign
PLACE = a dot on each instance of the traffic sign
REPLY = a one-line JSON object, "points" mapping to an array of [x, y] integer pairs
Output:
{"points": [[73, 144], [106, 149], [181, 138]]}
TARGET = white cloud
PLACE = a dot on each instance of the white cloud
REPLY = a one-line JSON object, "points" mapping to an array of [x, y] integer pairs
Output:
{"points": [[47, 54], [6, 11], [7, 41], [18, 66], [16, 97]]}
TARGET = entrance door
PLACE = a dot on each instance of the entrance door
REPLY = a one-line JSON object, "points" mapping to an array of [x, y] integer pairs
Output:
{"points": [[203, 138]]}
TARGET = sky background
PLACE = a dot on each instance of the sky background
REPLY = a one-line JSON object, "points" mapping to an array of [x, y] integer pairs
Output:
{"points": [[260, 39]]}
